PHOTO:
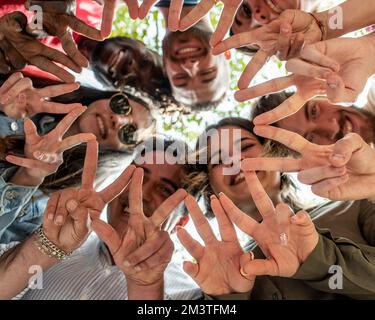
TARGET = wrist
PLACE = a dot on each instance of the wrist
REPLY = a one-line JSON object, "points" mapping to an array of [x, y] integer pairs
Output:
{"points": [[23, 178], [139, 291], [321, 20]]}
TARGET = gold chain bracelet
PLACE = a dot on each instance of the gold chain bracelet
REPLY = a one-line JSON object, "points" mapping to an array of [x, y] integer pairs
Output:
{"points": [[48, 248]]}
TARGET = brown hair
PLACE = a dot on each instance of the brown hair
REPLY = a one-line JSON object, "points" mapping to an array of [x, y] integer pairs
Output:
{"points": [[197, 180]]}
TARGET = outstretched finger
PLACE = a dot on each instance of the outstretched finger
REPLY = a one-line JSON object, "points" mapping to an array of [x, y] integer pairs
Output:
{"points": [[304, 68], [289, 139], [31, 133], [59, 108], [75, 140], [146, 6], [285, 39], [315, 175], [46, 65], [64, 125], [136, 193], [227, 231], [107, 234], [261, 199], [84, 29], [225, 22], [133, 8], [289, 107], [200, 222], [174, 14], [167, 207], [21, 85], [58, 89], [196, 14], [252, 68], [28, 163], [90, 165], [118, 186], [239, 218], [195, 249], [12, 80], [71, 49], [107, 18], [271, 86]]}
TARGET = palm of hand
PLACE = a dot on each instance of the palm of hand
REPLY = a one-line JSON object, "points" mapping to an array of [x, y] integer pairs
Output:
{"points": [[314, 155], [219, 269]]}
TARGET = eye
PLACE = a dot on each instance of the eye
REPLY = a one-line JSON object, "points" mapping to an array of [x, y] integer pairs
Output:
{"points": [[247, 10], [126, 134], [247, 146], [166, 191], [314, 111]]}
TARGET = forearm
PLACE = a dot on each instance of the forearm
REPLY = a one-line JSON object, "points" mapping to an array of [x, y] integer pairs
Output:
{"points": [[15, 267], [353, 14], [145, 292], [322, 269]]}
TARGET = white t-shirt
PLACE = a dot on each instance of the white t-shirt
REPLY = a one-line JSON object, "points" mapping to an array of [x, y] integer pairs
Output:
{"points": [[318, 5]]}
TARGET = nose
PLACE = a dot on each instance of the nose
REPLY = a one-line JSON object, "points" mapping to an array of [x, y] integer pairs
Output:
{"points": [[330, 130], [261, 14], [190, 66], [117, 120]]}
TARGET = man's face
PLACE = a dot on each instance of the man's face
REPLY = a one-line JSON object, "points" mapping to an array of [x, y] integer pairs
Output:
{"points": [[323, 123], [196, 76], [160, 181], [256, 13]]}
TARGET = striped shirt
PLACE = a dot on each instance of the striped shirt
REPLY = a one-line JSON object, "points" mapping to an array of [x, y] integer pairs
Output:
{"points": [[90, 275]]}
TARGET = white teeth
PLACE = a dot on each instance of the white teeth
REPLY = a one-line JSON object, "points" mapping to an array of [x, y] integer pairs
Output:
{"points": [[187, 50], [101, 126], [239, 178]]}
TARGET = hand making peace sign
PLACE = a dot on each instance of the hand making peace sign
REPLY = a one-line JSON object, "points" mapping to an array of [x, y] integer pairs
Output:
{"points": [[144, 251]]}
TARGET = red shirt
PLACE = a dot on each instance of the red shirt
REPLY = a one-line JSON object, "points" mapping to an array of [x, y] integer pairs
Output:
{"points": [[87, 10]]}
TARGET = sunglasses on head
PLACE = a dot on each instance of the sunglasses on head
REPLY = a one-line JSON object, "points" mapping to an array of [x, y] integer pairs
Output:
{"points": [[119, 104]]}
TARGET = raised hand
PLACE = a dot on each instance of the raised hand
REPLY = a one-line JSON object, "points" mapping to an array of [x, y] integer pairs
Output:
{"points": [[59, 20], [341, 171], [19, 99], [202, 9], [21, 48], [285, 239], [218, 264], [355, 58], [349, 175], [144, 251], [44, 154], [285, 36], [69, 212], [307, 89]]}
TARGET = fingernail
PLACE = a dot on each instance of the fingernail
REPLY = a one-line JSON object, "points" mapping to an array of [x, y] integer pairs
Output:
{"points": [[137, 268], [59, 219], [71, 205], [50, 216], [333, 85], [38, 155], [337, 157], [127, 264], [212, 197], [221, 194]]}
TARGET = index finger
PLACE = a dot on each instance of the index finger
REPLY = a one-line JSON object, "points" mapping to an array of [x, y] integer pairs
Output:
{"points": [[174, 14], [271, 86], [287, 108], [58, 90], [63, 126], [255, 64], [13, 79], [225, 22], [107, 18], [84, 29], [135, 192], [199, 220], [227, 231], [133, 8], [289, 139], [167, 207], [146, 6], [118, 186], [261, 199], [90, 165], [195, 15]]}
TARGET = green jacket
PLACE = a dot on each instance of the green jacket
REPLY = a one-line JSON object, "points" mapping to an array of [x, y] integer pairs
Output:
{"points": [[347, 241]]}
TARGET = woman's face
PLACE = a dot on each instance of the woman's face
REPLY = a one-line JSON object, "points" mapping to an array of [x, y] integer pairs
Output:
{"points": [[100, 120], [234, 186]]}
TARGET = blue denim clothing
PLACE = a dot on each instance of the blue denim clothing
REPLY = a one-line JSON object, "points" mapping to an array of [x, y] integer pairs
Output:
{"points": [[166, 3], [21, 208]]}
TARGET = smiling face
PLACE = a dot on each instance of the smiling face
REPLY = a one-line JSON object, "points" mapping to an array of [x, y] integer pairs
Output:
{"points": [[234, 186], [256, 13], [195, 74], [160, 181], [100, 120], [122, 58], [323, 123]]}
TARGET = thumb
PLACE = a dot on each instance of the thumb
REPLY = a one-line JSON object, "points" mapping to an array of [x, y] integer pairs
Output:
{"points": [[343, 149]]}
